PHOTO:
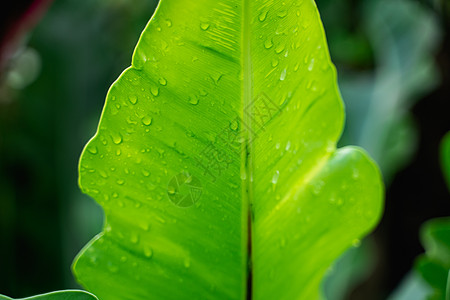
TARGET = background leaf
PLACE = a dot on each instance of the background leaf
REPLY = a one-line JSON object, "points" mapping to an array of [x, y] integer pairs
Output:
{"points": [[402, 34], [434, 266], [412, 287]]}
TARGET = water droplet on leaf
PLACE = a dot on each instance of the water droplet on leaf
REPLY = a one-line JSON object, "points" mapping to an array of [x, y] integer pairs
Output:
{"points": [[262, 16], [147, 120], [234, 125], [92, 149], [193, 99], [268, 44], [154, 90], [148, 252], [133, 99], [275, 63], [187, 262], [283, 75], [117, 138], [162, 81], [204, 26], [275, 177], [279, 48]]}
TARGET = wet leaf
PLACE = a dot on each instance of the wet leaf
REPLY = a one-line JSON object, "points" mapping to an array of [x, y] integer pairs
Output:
{"points": [[225, 124]]}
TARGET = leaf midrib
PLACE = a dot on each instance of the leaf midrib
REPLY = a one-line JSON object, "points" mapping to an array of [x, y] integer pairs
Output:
{"points": [[246, 155]]}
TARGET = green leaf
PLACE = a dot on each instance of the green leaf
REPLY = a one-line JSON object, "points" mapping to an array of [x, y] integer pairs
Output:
{"points": [[350, 270], [215, 160], [434, 265], [60, 295], [412, 287], [404, 35]]}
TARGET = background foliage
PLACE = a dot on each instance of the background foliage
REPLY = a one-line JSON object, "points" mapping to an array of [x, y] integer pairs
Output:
{"points": [[53, 93]]}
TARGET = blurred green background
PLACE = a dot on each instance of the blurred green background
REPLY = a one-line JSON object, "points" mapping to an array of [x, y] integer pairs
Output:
{"points": [[393, 60]]}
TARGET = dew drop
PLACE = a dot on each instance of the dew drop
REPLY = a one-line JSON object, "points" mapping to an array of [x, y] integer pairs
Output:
{"points": [[310, 84], [243, 174], [262, 16], [193, 99], [117, 138], [187, 263], [120, 181], [311, 65], [283, 75], [288, 145], [92, 149], [147, 120], [275, 177], [154, 90], [162, 81], [204, 26], [275, 63], [283, 13], [216, 77], [134, 238], [234, 125], [148, 252], [133, 99], [268, 44], [279, 48], [169, 23]]}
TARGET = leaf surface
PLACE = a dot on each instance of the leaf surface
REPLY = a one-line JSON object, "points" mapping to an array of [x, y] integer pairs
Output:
{"points": [[215, 160]]}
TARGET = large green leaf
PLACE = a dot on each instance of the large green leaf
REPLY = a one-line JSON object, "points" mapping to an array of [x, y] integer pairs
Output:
{"points": [[60, 295], [225, 125]]}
